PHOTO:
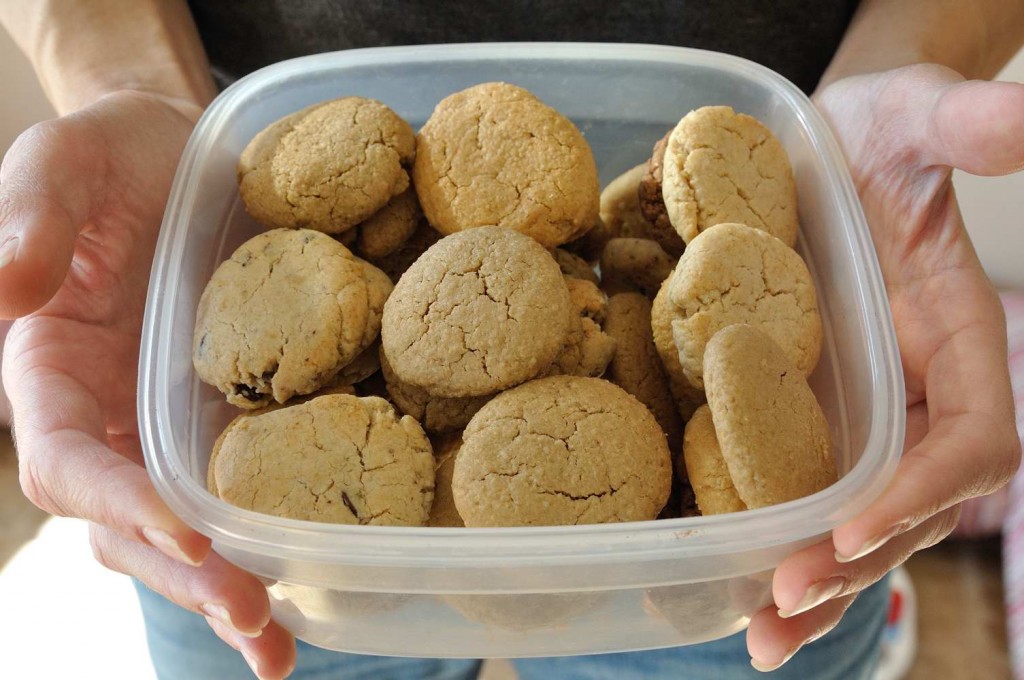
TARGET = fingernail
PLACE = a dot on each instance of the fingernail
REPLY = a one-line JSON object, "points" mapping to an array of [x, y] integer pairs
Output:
{"points": [[221, 613], [817, 593], [165, 543], [8, 251], [871, 545], [769, 667]]}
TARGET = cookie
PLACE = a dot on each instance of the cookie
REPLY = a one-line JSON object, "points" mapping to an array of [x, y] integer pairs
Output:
{"points": [[687, 397], [495, 155], [574, 266], [771, 430], [443, 512], [588, 300], [732, 274], [636, 367], [652, 205], [391, 226], [378, 289], [480, 311], [591, 243], [588, 349], [558, 451], [327, 167], [398, 261], [709, 476], [620, 205], [635, 264], [435, 414], [723, 166], [359, 369], [281, 316], [339, 459]]}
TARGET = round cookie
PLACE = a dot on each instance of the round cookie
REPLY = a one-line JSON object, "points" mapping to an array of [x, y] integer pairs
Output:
{"points": [[398, 261], [559, 451], [635, 264], [359, 369], [771, 430], [327, 167], [391, 226], [495, 155], [732, 274], [281, 316], [722, 166], [620, 205], [574, 266], [339, 458], [435, 414], [378, 289], [636, 367], [443, 512], [687, 397], [591, 243], [652, 205], [480, 311], [588, 349], [709, 476]]}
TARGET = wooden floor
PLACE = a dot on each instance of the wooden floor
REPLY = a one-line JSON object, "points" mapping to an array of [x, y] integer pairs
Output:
{"points": [[958, 584]]}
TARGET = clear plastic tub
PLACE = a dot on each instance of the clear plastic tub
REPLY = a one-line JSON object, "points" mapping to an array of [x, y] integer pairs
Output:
{"points": [[529, 591]]}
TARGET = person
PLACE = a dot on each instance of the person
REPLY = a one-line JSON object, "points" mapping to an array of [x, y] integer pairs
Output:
{"points": [[81, 199]]}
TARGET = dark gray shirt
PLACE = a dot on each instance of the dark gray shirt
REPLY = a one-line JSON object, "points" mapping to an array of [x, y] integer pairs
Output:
{"points": [[794, 37]]}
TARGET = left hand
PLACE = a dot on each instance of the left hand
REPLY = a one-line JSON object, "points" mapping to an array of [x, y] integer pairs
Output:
{"points": [[903, 132]]}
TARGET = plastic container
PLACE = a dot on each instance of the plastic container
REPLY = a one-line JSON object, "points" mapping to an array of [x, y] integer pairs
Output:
{"points": [[529, 591]]}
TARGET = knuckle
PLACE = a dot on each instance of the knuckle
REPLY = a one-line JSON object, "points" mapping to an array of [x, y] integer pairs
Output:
{"points": [[35, 484], [102, 551], [941, 527]]}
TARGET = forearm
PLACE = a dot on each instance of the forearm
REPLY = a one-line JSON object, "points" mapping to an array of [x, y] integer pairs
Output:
{"points": [[84, 49], [973, 37]]}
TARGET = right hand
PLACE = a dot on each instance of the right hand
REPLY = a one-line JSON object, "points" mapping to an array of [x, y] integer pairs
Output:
{"points": [[81, 200]]}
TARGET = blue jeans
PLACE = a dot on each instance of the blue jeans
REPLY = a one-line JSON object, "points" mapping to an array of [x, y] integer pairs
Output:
{"points": [[184, 648]]}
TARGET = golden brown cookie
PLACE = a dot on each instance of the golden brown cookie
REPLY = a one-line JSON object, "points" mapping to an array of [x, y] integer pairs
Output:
{"points": [[338, 458], [359, 369], [723, 166], [281, 316], [771, 430], [635, 264], [327, 167], [588, 349], [391, 226], [562, 450], [652, 205], [732, 274], [443, 512], [573, 265], [591, 243], [495, 155], [620, 206], [687, 397], [709, 476], [435, 414], [397, 262], [378, 288], [480, 311], [636, 367]]}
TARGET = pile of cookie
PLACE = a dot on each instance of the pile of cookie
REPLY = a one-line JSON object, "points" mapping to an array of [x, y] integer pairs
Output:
{"points": [[421, 336]]}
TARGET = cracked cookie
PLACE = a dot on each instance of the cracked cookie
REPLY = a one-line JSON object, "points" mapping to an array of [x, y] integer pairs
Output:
{"points": [[652, 205], [687, 397], [480, 311], [391, 226], [282, 315], [395, 263], [339, 458], [639, 264], [574, 266], [709, 476], [733, 274], [327, 167], [559, 451], [443, 512], [636, 367], [495, 155], [588, 349], [435, 414], [722, 166], [771, 430]]}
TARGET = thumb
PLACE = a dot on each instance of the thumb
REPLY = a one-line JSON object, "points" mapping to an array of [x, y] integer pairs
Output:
{"points": [[975, 126], [48, 182]]}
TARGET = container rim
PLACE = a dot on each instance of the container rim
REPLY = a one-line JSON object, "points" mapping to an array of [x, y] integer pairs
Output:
{"points": [[283, 538]]}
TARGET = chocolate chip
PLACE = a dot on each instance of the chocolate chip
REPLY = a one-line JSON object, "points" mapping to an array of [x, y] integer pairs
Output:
{"points": [[348, 504], [248, 392]]}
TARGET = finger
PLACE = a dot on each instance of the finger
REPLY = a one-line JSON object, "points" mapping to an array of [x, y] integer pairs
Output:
{"points": [[772, 641], [48, 182], [809, 578], [975, 126], [217, 589], [266, 666], [971, 448], [66, 468]]}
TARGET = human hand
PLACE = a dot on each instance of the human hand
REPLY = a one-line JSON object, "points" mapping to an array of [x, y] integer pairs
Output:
{"points": [[81, 199], [903, 132]]}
